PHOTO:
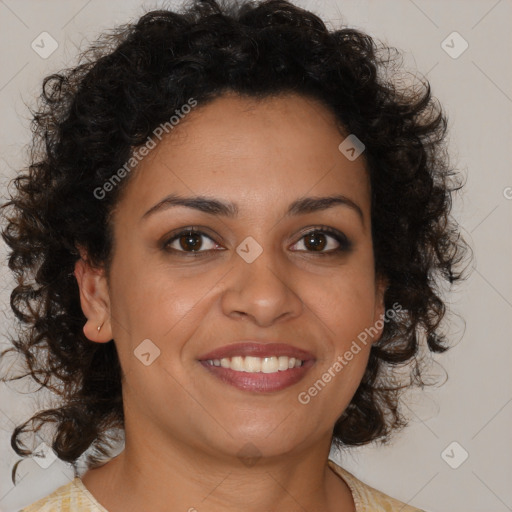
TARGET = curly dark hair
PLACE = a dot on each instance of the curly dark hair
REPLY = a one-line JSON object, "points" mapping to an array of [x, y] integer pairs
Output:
{"points": [[92, 117]]}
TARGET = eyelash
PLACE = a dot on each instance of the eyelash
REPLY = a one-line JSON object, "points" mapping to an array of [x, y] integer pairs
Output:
{"points": [[344, 244]]}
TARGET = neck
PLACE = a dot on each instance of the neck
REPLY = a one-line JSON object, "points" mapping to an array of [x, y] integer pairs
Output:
{"points": [[182, 477]]}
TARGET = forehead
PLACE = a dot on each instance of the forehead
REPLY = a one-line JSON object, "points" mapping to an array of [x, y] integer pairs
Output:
{"points": [[257, 152]]}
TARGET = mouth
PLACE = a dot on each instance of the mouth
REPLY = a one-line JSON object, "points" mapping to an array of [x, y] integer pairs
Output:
{"points": [[256, 367], [250, 364]]}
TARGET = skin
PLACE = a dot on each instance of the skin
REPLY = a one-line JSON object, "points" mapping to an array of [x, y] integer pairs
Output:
{"points": [[185, 429]]}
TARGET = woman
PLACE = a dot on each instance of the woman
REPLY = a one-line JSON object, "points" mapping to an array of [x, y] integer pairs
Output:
{"points": [[230, 239]]}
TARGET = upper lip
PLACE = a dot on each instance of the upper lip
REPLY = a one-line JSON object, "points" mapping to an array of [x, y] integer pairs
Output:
{"points": [[257, 350]]}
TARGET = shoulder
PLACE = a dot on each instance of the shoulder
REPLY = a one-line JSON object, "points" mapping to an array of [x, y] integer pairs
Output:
{"points": [[71, 497], [368, 499]]}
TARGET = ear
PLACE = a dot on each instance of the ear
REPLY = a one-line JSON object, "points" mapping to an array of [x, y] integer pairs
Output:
{"points": [[94, 299], [381, 285]]}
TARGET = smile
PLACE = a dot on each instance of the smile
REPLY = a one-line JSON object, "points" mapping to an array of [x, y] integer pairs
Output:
{"points": [[267, 379], [272, 364]]}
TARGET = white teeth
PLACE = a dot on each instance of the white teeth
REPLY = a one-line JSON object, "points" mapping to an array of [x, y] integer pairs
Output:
{"points": [[237, 363], [269, 365], [251, 364], [284, 363]]}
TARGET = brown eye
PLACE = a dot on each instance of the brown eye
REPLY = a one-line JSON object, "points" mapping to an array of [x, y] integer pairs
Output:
{"points": [[190, 241], [315, 241], [324, 241]]}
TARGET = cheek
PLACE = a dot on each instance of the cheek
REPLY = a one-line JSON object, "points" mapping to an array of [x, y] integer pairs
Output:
{"points": [[346, 303], [345, 308], [153, 317], [155, 303]]}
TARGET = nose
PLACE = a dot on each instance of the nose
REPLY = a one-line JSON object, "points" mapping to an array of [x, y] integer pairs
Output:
{"points": [[261, 291]]}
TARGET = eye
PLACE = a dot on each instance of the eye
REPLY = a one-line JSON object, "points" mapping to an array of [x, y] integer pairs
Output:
{"points": [[317, 240], [323, 240], [190, 241]]}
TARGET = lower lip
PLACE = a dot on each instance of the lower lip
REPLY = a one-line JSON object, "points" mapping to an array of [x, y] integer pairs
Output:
{"points": [[260, 382]]}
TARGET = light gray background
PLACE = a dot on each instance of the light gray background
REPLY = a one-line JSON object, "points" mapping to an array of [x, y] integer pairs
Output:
{"points": [[474, 407]]}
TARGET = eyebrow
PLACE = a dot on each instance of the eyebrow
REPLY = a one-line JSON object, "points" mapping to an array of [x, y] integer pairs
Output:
{"points": [[213, 206]]}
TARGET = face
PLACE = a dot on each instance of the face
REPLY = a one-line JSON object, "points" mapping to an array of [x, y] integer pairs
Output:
{"points": [[187, 280]]}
